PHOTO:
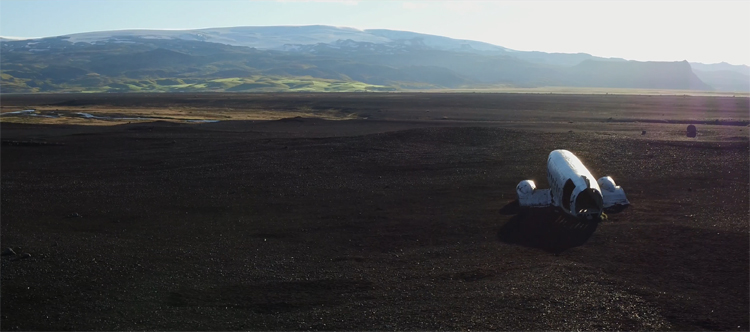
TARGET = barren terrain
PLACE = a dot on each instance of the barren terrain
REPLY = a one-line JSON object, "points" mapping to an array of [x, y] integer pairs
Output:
{"points": [[401, 217]]}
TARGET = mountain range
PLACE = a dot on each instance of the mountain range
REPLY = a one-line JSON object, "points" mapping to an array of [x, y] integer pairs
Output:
{"points": [[322, 58]]}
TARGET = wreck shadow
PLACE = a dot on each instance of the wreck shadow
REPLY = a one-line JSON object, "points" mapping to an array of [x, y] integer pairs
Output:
{"points": [[513, 207], [544, 228]]}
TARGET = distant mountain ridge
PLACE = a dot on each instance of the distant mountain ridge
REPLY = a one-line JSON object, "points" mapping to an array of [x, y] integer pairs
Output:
{"points": [[217, 59], [634, 74], [722, 66]]}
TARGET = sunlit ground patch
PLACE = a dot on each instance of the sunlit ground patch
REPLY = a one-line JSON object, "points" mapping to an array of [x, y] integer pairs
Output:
{"points": [[112, 116]]}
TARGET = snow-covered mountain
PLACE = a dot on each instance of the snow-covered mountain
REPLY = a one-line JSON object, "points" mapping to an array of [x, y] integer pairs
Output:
{"points": [[134, 58], [268, 37], [275, 37], [291, 37]]}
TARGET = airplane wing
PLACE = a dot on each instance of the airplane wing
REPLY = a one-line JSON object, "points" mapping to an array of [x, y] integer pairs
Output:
{"points": [[612, 194], [529, 195]]}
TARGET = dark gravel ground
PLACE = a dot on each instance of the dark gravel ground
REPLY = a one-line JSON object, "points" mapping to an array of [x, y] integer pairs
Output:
{"points": [[389, 223]]}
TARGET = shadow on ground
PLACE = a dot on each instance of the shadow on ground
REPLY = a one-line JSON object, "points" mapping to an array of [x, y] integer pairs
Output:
{"points": [[544, 228]]}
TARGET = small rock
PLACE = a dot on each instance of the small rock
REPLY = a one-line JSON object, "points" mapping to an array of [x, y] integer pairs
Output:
{"points": [[643, 132], [691, 131], [8, 251]]}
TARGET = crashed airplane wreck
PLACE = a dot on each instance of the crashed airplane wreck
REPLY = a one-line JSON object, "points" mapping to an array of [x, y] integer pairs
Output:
{"points": [[572, 189]]}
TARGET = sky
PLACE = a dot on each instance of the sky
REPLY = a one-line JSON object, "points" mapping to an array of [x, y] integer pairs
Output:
{"points": [[698, 31]]}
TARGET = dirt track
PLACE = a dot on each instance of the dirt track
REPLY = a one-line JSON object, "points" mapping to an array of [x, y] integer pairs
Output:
{"points": [[400, 220]]}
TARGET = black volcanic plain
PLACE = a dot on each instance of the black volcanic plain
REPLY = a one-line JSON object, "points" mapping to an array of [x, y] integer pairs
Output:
{"points": [[400, 219]]}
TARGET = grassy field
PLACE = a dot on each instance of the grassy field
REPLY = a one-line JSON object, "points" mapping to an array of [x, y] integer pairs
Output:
{"points": [[95, 83], [257, 83], [120, 115]]}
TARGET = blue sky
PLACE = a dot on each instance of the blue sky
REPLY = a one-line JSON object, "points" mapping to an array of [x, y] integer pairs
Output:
{"points": [[702, 31]]}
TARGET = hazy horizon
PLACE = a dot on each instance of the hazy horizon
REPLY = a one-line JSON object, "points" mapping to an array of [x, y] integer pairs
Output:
{"points": [[704, 32]]}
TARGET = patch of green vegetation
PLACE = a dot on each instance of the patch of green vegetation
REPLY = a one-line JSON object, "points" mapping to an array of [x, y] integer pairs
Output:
{"points": [[169, 81], [250, 86], [231, 79], [10, 84], [298, 85], [217, 85], [93, 82]]}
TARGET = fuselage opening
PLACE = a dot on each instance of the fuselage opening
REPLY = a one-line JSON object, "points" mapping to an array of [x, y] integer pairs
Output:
{"points": [[567, 192], [588, 204]]}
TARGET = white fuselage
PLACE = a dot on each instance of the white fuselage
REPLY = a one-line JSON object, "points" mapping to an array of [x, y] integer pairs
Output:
{"points": [[572, 187]]}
